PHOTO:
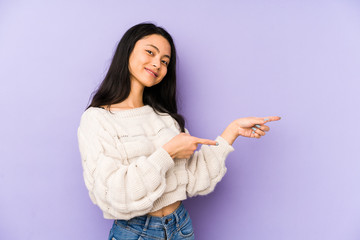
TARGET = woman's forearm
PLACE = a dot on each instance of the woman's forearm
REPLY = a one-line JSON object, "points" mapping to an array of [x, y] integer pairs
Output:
{"points": [[229, 134]]}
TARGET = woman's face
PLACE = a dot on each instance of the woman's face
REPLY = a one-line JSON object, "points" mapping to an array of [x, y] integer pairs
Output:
{"points": [[149, 60]]}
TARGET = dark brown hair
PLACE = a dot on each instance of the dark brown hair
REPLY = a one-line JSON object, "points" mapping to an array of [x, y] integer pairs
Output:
{"points": [[115, 88]]}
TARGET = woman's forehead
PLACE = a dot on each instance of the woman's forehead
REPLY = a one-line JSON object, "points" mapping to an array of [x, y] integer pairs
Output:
{"points": [[158, 42]]}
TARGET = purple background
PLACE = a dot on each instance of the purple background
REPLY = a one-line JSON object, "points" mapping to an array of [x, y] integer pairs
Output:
{"points": [[296, 59]]}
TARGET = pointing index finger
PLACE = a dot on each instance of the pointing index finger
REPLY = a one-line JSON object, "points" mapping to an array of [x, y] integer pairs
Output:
{"points": [[271, 119], [205, 141]]}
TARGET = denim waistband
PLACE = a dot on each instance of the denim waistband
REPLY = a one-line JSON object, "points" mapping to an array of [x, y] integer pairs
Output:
{"points": [[149, 221]]}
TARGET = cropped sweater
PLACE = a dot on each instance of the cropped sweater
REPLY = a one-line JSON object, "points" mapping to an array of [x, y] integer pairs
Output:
{"points": [[129, 174]]}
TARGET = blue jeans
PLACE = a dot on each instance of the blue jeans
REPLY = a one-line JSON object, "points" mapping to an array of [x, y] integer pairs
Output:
{"points": [[177, 225]]}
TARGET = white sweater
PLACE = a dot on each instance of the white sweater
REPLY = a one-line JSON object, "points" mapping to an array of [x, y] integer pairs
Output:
{"points": [[129, 174]]}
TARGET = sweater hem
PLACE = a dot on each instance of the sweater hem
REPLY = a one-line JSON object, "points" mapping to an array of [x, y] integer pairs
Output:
{"points": [[170, 197], [166, 199]]}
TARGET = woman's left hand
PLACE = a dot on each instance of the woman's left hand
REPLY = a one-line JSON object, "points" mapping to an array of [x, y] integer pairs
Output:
{"points": [[253, 127]]}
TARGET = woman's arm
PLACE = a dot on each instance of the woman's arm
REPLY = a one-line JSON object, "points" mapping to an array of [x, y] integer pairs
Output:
{"points": [[121, 190], [206, 167], [252, 127]]}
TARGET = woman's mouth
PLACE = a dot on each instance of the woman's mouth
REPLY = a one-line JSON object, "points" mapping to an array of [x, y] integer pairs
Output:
{"points": [[151, 72]]}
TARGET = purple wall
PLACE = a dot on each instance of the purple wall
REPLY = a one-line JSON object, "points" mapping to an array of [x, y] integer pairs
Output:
{"points": [[296, 59]]}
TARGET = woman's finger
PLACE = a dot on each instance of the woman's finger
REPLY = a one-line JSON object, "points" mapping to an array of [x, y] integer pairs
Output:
{"points": [[263, 127], [258, 131], [271, 119], [205, 141], [255, 135]]}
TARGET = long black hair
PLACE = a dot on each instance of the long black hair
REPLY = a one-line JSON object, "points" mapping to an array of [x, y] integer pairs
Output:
{"points": [[115, 88]]}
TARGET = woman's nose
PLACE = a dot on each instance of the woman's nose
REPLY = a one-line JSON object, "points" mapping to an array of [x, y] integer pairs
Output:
{"points": [[156, 63]]}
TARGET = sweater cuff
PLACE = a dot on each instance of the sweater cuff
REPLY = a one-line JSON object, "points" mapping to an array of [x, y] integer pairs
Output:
{"points": [[162, 159], [224, 148]]}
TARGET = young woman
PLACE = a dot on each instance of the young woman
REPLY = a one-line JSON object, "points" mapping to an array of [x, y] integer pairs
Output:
{"points": [[138, 158]]}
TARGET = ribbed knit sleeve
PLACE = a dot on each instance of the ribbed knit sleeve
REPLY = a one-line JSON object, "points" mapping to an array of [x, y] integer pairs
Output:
{"points": [[206, 167], [122, 190]]}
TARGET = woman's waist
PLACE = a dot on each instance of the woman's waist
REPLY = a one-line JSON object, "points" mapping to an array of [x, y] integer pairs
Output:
{"points": [[166, 210], [153, 222]]}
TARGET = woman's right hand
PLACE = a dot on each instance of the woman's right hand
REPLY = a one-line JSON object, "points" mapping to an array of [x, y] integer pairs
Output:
{"points": [[183, 145]]}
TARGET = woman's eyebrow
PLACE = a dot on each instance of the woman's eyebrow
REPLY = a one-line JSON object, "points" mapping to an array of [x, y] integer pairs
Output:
{"points": [[157, 49]]}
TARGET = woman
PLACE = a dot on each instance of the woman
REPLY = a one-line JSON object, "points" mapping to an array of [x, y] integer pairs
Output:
{"points": [[139, 160]]}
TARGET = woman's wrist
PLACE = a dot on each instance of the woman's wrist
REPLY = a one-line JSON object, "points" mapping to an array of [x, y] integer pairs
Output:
{"points": [[230, 133], [166, 148]]}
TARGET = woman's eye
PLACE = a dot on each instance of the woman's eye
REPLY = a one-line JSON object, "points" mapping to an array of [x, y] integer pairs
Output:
{"points": [[165, 62], [150, 52]]}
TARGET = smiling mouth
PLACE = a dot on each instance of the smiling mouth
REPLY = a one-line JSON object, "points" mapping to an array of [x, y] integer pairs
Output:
{"points": [[152, 73]]}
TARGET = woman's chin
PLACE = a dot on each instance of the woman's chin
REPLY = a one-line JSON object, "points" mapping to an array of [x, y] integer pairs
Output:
{"points": [[151, 83]]}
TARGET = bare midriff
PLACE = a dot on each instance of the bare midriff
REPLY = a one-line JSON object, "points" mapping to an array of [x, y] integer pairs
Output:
{"points": [[166, 210]]}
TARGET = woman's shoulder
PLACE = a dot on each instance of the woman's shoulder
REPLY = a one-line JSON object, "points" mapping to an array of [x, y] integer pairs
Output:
{"points": [[97, 121], [92, 114], [92, 111]]}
